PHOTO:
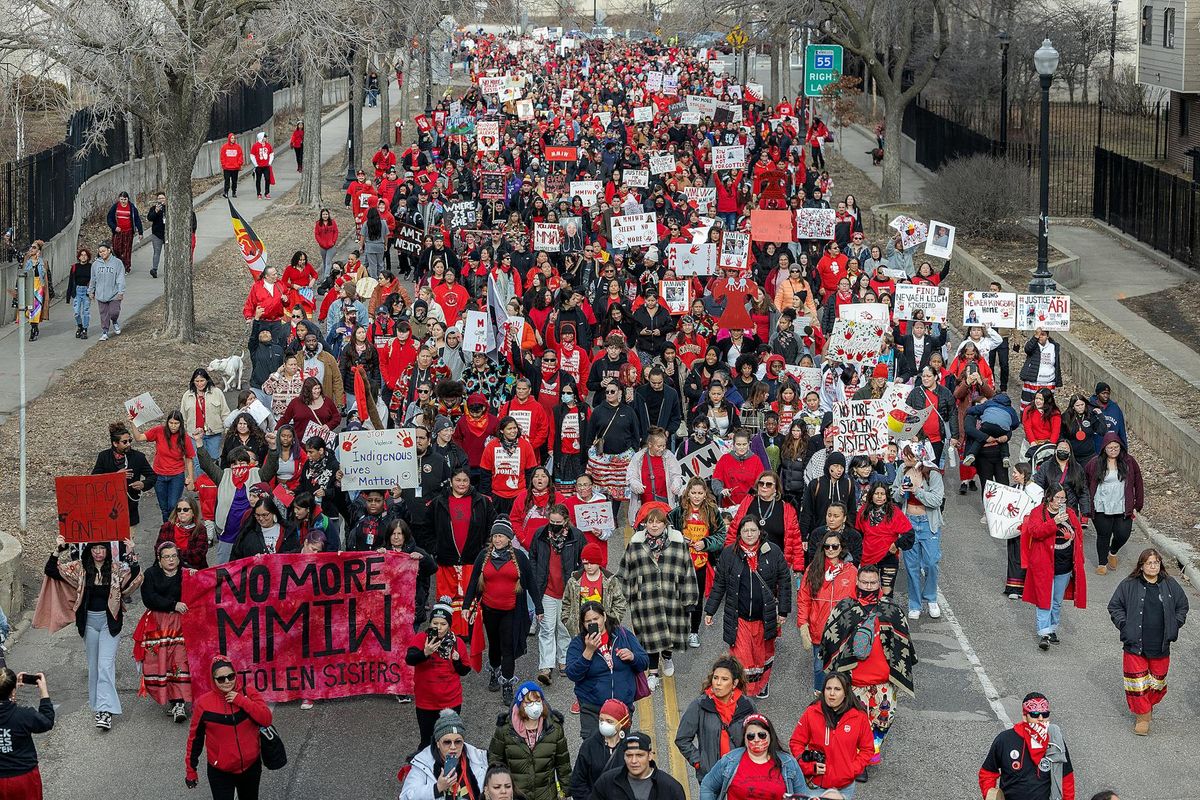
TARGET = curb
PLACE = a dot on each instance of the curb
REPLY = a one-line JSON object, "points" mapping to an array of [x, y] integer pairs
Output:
{"points": [[1185, 555]]}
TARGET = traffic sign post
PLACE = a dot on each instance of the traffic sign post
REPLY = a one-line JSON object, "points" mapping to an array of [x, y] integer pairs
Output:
{"points": [[822, 66]]}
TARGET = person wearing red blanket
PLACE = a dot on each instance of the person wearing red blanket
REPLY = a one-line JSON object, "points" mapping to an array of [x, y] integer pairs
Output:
{"points": [[268, 299], [833, 740], [225, 723], [384, 159], [1052, 555], [439, 660], [1030, 760]]}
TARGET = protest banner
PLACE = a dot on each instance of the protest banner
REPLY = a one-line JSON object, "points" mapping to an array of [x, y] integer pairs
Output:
{"points": [[491, 186], [689, 118], [633, 230], [654, 81], [587, 191], [865, 312], [476, 332], [304, 626], [729, 157], [547, 237], [932, 301], [702, 105], [692, 259], [670, 85], [815, 223], [676, 296], [856, 343], [489, 84], [861, 428], [594, 517], [701, 463], [998, 309], [637, 178], [735, 249], [702, 198], [487, 134], [1050, 312], [561, 153], [142, 409], [912, 232], [769, 225], [661, 163], [1005, 508], [940, 243], [463, 214], [643, 114], [315, 429], [808, 379], [92, 508], [378, 459], [524, 110], [408, 238]]}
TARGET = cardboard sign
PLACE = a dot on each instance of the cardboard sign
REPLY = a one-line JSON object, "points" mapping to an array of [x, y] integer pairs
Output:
{"points": [[487, 135], [476, 332], [259, 411], [861, 428], [729, 157], [594, 517], [643, 114], [903, 421], [689, 118], [932, 300], [998, 309], [654, 81], [547, 237], [701, 105], [92, 508], [701, 463], [692, 259], [700, 231], [865, 312], [940, 243], [637, 178], [463, 214], [142, 409], [670, 85], [560, 153], [378, 459], [604, 118], [408, 238], [556, 184], [661, 163], [735, 249], [633, 230], [1050, 312], [524, 110], [587, 191], [815, 223], [316, 429], [702, 198], [491, 186], [754, 92], [1005, 508], [304, 626], [489, 84], [912, 231], [855, 343], [808, 379], [769, 225], [676, 296], [566, 98]]}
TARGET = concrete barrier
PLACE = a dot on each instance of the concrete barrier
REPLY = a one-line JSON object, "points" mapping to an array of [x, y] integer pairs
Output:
{"points": [[11, 591]]}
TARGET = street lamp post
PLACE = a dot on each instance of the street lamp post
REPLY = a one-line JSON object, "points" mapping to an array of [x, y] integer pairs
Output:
{"points": [[1004, 40], [1112, 45], [1046, 62]]}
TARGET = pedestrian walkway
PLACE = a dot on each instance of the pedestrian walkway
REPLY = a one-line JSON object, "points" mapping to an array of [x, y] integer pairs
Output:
{"points": [[57, 348]]}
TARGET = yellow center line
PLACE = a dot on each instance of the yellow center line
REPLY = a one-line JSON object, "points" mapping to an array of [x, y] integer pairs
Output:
{"points": [[680, 769]]}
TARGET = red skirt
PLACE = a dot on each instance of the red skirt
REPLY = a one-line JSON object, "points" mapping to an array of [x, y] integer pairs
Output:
{"points": [[158, 646], [22, 787], [756, 654], [1145, 681]]}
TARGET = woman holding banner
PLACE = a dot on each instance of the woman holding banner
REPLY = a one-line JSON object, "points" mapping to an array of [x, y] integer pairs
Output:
{"points": [[158, 641]]}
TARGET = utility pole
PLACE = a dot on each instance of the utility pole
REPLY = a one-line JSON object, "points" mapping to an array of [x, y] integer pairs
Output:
{"points": [[22, 427]]}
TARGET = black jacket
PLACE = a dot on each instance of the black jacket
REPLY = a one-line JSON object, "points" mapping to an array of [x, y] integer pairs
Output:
{"points": [[540, 553], [20, 723], [594, 759], [251, 541], [264, 358], [614, 785], [1125, 610], [433, 474], [670, 413], [1032, 365], [620, 427], [851, 541], [483, 514], [946, 409], [767, 589], [159, 591], [906, 364], [661, 321], [820, 493], [106, 461]]}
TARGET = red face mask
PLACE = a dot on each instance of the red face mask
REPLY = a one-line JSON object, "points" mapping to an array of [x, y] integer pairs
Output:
{"points": [[757, 746]]}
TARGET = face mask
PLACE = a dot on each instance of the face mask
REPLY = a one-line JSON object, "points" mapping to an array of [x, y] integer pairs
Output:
{"points": [[867, 596], [757, 746], [1063, 455], [608, 729], [533, 710], [568, 398], [555, 528]]}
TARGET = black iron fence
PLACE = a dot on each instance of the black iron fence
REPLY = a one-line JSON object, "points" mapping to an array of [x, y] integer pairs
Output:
{"points": [[1152, 205]]}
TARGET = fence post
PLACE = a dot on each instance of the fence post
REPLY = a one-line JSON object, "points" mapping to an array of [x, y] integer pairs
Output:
{"points": [[1100, 123], [1157, 117]]}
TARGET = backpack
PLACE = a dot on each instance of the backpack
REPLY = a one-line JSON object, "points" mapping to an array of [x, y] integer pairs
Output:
{"points": [[864, 635]]}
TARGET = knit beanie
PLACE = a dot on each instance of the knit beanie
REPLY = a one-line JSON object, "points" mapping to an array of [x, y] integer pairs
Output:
{"points": [[524, 690], [443, 609], [617, 710], [503, 527], [593, 553], [448, 722]]}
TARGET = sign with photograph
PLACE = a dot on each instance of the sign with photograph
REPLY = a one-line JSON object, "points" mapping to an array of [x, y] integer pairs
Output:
{"points": [[491, 186], [729, 157], [1050, 312], [676, 296], [487, 135], [735, 249], [940, 243], [998, 309]]}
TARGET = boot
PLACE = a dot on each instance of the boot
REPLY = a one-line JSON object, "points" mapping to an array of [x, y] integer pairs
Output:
{"points": [[508, 686], [1112, 561], [78, 331], [1142, 726], [494, 680]]}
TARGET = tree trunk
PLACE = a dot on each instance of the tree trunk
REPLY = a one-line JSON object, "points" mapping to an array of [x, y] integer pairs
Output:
{"points": [[179, 149], [776, 76], [310, 178], [386, 72], [889, 191]]}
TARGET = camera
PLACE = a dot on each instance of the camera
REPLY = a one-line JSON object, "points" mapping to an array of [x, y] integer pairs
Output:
{"points": [[813, 757]]}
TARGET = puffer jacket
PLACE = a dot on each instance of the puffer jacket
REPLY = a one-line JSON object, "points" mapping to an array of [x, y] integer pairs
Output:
{"points": [[770, 585], [535, 770]]}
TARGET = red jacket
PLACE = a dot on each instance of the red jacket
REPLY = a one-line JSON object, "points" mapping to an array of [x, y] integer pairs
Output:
{"points": [[297, 138], [231, 154], [438, 680], [814, 611], [395, 359], [383, 159], [1037, 559], [878, 539], [848, 746], [1036, 427], [228, 733], [275, 304], [326, 235], [262, 152], [538, 422], [793, 540]]}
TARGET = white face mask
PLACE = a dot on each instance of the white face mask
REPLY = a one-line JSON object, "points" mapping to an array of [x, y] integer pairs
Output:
{"points": [[533, 711], [608, 729]]}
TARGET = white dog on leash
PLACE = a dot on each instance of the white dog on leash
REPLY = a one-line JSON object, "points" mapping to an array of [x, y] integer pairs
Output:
{"points": [[227, 369]]}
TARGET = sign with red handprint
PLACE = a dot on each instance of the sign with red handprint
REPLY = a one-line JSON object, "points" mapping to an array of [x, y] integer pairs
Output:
{"points": [[1050, 312], [854, 342], [142, 409], [378, 459], [1006, 507]]}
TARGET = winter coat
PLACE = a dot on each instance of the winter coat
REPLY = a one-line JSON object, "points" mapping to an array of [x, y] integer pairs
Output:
{"points": [[227, 732], [593, 760], [633, 474], [847, 747], [537, 771], [820, 494], [420, 782], [715, 785], [595, 682], [1037, 559], [1125, 610], [698, 736], [1095, 470], [614, 785], [541, 551], [1114, 419], [614, 603], [946, 409], [772, 581], [660, 593], [793, 539], [814, 611], [1032, 365], [670, 413], [483, 514]]}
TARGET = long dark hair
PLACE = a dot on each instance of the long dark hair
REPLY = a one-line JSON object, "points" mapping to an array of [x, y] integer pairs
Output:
{"points": [[208, 384], [177, 440], [257, 439], [374, 224], [610, 624], [89, 564], [889, 506], [834, 715], [1049, 408], [1070, 415], [814, 576], [293, 451], [774, 748]]}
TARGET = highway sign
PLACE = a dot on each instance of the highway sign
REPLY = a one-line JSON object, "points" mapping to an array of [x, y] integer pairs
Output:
{"points": [[822, 66]]}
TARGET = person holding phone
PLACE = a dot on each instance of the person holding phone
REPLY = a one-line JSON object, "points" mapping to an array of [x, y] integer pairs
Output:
{"points": [[225, 723], [19, 775], [439, 660], [1052, 555], [447, 768]]}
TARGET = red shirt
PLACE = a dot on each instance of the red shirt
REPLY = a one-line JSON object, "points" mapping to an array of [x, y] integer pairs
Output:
{"points": [[654, 477], [460, 519], [591, 590], [500, 584], [754, 781], [124, 217], [168, 460], [554, 580]]}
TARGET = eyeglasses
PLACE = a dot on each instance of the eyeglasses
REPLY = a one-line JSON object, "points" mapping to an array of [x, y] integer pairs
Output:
{"points": [[263, 515], [757, 736], [226, 678], [547, 360], [422, 391], [833, 547], [1039, 714], [125, 441], [767, 483], [182, 509]]}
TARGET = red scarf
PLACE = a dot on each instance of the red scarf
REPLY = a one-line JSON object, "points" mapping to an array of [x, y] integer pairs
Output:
{"points": [[725, 710]]}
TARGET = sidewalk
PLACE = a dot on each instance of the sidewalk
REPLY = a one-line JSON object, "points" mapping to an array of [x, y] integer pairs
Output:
{"points": [[57, 348]]}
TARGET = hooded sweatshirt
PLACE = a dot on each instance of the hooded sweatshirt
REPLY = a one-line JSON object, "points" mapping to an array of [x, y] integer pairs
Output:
{"points": [[227, 732], [108, 278], [824, 491]]}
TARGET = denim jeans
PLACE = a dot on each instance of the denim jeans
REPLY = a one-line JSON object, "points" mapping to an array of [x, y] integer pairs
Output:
{"points": [[730, 219], [81, 304], [168, 489], [101, 647], [925, 556], [1048, 618], [212, 443]]}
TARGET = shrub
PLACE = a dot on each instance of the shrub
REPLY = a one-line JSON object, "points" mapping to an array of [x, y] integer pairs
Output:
{"points": [[981, 195]]}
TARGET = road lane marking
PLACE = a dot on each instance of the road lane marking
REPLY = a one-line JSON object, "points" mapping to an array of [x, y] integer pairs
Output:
{"points": [[679, 767], [989, 689]]}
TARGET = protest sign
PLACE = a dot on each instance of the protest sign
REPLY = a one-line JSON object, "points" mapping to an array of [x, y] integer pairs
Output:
{"points": [[702, 198], [692, 259], [670, 85], [512, 329], [587, 191], [661, 163], [561, 153], [1050, 312], [92, 508], [932, 301], [594, 517], [142, 409], [490, 84], [865, 312], [702, 105], [463, 214], [815, 223], [735, 248], [487, 134], [912, 232], [524, 110], [547, 237], [754, 92], [855, 343], [476, 332], [378, 459], [1005, 508], [729, 157], [632, 230], [808, 379], [676, 296], [689, 118], [566, 97], [861, 428], [556, 184], [304, 626], [701, 463], [604, 118], [904, 421], [940, 243], [998, 309], [654, 81], [408, 238], [643, 114], [769, 225], [491, 186], [637, 178], [315, 429], [700, 231], [259, 411]]}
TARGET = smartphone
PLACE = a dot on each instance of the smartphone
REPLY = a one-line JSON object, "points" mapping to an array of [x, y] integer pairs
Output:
{"points": [[29, 678], [593, 629], [450, 767]]}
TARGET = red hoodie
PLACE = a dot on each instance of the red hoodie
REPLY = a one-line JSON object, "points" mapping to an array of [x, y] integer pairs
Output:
{"points": [[227, 732], [848, 747]]}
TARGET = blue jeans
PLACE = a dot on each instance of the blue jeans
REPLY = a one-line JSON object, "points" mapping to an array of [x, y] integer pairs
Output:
{"points": [[212, 443], [82, 306], [168, 489], [729, 218], [1048, 618], [925, 555]]}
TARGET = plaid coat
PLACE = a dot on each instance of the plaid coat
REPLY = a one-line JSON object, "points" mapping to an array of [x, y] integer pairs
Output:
{"points": [[660, 593]]}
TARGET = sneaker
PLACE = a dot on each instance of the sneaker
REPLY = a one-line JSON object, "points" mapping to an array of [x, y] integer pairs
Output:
{"points": [[104, 721], [1054, 638], [1007, 462], [1044, 643], [765, 692], [179, 713], [968, 460], [404, 699], [78, 331], [652, 681], [962, 488], [83, 334], [1014, 596], [97, 719], [914, 614], [544, 677], [267, 196], [693, 640], [935, 611], [306, 705], [972, 485], [983, 520], [104, 337], [260, 197], [153, 273], [575, 707], [668, 667], [507, 687], [116, 329], [494, 681]]}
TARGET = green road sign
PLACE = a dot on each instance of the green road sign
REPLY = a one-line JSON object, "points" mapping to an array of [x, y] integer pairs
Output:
{"points": [[822, 66]]}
